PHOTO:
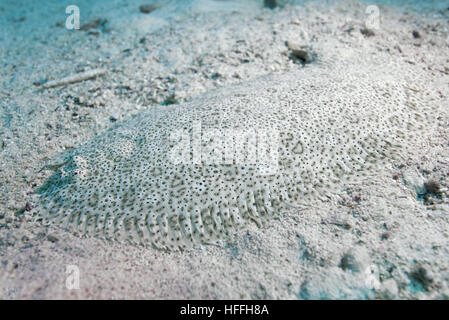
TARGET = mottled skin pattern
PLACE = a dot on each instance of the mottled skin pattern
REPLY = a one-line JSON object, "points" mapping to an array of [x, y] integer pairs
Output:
{"points": [[144, 180]]}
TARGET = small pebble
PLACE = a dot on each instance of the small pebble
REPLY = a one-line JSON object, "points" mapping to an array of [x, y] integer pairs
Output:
{"points": [[303, 53], [416, 34], [367, 32], [385, 236], [113, 117], [147, 8], [52, 238], [28, 206], [432, 186]]}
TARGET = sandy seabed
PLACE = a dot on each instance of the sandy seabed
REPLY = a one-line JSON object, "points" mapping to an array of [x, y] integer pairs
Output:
{"points": [[384, 239]]}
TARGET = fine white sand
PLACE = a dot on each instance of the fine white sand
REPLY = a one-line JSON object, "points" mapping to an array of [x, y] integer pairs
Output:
{"points": [[380, 240]]}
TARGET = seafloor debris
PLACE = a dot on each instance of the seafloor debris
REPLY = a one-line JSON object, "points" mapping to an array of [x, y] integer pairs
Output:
{"points": [[74, 78]]}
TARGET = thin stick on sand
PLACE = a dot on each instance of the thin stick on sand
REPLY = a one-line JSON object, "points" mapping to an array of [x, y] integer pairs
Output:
{"points": [[74, 78]]}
